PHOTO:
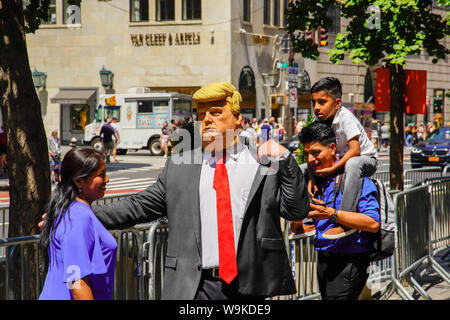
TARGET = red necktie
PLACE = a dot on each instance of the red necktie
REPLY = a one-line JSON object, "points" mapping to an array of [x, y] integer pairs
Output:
{"points": [[227, 255]]}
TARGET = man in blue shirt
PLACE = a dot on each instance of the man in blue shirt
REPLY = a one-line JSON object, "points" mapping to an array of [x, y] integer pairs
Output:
{"points": [[265, 130], [107, 132], [342, 263]]}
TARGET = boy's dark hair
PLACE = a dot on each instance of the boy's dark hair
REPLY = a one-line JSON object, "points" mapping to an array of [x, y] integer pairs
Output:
{"points": [[331, 85], [317, 132]]}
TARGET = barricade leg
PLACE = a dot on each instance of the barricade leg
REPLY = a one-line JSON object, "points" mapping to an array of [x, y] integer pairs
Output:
{"points": [[401, 290], [438, 268]]}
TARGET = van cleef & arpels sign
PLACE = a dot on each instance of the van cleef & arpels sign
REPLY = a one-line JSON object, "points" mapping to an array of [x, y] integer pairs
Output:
{"points": [[163, 39]]}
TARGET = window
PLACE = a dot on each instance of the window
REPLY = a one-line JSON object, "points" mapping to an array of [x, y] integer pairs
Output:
{"points": [[247, 17], [79, 115], [165, 10], [285, 7], [334, 13], [192, 9], [111, 112], [138, 10], [152, 113], [276, 12], [71, 11], [51, 13], [181, 108], [145, 107], [266, 11]]}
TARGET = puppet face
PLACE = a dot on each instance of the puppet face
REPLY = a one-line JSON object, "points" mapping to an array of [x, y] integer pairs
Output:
{"points": [[219, 124]]}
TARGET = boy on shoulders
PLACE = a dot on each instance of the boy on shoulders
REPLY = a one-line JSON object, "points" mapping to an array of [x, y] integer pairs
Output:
{"points": [[357, 155]]}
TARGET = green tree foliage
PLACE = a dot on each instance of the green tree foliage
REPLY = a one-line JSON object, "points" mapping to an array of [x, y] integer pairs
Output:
{"points": [[301, 157], [406, 27]]}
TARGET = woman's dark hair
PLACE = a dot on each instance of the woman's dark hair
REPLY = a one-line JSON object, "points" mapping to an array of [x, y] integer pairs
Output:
{"points": [[331, 85], [317, 132], [80, 162]]}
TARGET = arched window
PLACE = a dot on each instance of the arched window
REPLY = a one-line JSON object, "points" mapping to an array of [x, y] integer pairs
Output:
{"points": [[247, 81]]}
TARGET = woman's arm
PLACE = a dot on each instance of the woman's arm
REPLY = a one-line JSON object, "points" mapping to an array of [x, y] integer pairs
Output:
{"points": [[81, 290]]}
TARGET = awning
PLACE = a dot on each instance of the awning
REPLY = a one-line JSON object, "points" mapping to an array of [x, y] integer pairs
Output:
{"points": [[73, 96]]}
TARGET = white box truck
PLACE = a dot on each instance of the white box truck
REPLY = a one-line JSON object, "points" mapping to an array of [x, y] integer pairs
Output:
{"points": [[140, 115]]}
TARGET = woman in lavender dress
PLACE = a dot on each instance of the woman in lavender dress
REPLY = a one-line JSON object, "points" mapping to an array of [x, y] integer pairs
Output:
{"points": [[81, 253]]}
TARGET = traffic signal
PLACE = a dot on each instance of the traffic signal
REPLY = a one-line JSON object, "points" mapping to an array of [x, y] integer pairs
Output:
{"points": [[277, 100], [323, 37], [310, 35], [437, 106]]}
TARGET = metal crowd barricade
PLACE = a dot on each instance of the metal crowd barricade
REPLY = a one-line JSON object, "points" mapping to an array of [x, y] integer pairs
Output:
{"points": [[413, 176], [4, 227], [20, 279], [129, 278], [423, 219], [440, 204], [303, 259], [383, 176], [413, 239], [446, 171], [155, 249]]}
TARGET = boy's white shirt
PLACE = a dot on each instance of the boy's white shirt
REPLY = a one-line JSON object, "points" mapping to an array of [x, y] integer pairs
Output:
{"points": [[346, 126]]}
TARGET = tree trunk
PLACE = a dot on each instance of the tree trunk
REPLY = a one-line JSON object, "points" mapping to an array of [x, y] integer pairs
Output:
{"points": [[397, 135], [27, 155]]}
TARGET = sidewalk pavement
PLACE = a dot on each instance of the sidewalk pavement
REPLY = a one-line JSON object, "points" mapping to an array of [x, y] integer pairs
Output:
{"points": [[436, 287]]}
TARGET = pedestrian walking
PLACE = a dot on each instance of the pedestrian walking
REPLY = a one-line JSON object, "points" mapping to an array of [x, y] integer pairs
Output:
{"points": [[300, 124], [108, 132], [249, 132], [54, 152], [79, 252], [164, 141], [266, 131], [384, 134], [342, 264], [116, 137]]}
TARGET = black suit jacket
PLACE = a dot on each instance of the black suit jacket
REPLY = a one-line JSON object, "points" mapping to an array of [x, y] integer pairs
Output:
{"points": [[263, 265]]}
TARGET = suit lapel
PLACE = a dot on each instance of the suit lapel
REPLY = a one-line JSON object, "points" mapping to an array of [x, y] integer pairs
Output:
{"points": [[260, 174], [195, 171]]}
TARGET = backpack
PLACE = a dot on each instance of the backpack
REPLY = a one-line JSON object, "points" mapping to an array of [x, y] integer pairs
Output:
{"points": [[384, 241]]}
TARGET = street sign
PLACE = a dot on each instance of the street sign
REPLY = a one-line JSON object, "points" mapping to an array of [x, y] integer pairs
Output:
{"points": [[283, 65], [293, 83], [293, 97]]}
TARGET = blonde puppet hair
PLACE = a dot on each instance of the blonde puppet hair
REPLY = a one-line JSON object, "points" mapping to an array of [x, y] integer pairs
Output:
{"points": [[219, 91]]}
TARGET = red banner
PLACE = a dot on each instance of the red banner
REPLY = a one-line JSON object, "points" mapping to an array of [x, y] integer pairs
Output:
{"points": [[414, 95]]}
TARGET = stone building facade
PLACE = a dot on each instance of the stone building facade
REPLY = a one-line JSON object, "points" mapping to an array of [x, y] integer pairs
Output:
{"points": [[181, 45]]}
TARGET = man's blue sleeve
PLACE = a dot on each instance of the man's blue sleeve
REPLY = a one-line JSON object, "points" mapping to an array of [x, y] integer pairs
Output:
{"points": [[368, 203]]}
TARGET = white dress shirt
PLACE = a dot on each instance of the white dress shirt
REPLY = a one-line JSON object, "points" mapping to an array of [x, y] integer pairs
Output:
{"points": [[346, 126], [241, 168]]}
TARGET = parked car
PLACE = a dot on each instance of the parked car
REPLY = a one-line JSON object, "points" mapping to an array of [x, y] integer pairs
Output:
{"points": [[290, 143], [434, 151]]}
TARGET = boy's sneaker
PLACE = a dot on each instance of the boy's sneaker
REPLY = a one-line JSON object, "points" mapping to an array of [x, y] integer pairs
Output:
{"points": [[338, 232], [301, 227]]}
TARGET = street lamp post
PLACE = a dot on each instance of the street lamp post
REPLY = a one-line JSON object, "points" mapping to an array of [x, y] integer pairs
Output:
{"points": [[39, 78], [106, 77]]}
